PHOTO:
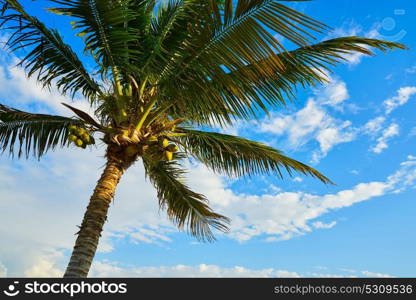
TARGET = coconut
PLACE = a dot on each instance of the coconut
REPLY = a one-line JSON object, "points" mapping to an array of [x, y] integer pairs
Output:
{"points": [[72, 128], [79, 143], [125, 132], [152, 139], [168, 155], [80, 131], [132, 150], [165, 143], [72, 138], [172, 148], [86, 138]]}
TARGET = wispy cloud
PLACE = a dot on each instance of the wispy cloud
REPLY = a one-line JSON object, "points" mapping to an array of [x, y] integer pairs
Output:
{"points": [[411, 70], [113, 269], [314, 123], [382, 142], [352, 28], [281, 215], [320, 225], [19, 91], [108, 269], [374, 126], [403, 96], [375, 274], [287, 214]]}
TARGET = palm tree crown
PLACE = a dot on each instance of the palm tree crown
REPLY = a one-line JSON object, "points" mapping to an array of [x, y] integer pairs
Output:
{"points": [[163, 70]]}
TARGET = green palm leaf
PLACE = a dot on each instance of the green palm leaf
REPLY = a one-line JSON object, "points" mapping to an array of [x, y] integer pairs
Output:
{"points": [[246, 90], [236, 156], [315, 58], [33, 133], [244, 34], [49, 58], [106, 31], [184, 207]]}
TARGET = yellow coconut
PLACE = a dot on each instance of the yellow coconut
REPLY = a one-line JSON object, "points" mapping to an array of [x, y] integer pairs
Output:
{"points": [[172, 148], [72, 128], [86, 138], [72, 138], [152, 139], [80, 131], [125, 132], [79, 143], [132, 150], [165, 143], [168, 155]]}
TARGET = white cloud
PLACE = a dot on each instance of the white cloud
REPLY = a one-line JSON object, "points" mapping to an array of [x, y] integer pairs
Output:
{"points": [[106, 269], [374, 126], [298, 179], [375, 275], [281, 215], [284, 215], [411, 70], [333, 93], [35, 248], [404, 177], [388, 77], [354, 29], [3, 270], [312, 123], [320, 225], [150, 236], [347, 270], [21, 92], [350, 274], [402, 97], [328, 275], [44, 266], [331, 136], [113, 269], [44, 220], [388, 133]]}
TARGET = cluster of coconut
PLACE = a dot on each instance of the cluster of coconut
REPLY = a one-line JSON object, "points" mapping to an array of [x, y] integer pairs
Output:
{"points": [[80, 137], [159, 146], [168, 149], [163, 146]]}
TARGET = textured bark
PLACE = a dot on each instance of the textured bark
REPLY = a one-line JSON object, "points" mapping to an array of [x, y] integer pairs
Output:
{"points": [[94, 219]]}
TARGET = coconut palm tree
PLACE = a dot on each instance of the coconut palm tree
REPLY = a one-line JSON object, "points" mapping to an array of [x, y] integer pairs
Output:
{"points": [[164, 71]]}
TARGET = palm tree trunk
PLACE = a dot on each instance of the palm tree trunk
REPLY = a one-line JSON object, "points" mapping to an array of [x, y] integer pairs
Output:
{"points": [[94, 218]]}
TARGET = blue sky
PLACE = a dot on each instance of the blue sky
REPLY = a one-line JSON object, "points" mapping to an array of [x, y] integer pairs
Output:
{"points": [[359, 130]]}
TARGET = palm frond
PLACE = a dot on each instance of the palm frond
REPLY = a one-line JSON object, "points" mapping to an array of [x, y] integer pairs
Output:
{"points": [[32, 133], [83, 115], [104, 25], [184, 207], [244, 34], [236, 156], [316, 58], [162, 31], [49, 58], [245, 90]]}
